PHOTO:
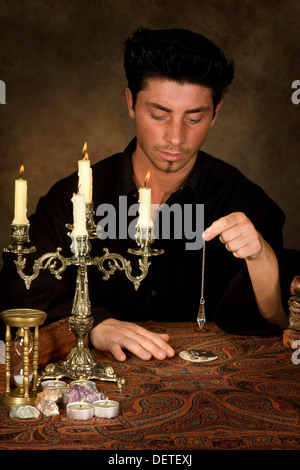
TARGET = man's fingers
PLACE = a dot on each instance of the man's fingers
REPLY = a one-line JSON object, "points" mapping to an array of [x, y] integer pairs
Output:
{"points": [[153, 342], [223, 224], [117, 352], [114, 336], [237, 233], [149, 344]]}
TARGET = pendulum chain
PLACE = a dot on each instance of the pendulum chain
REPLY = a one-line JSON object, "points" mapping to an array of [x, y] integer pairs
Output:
{"points": [[201, 312]]}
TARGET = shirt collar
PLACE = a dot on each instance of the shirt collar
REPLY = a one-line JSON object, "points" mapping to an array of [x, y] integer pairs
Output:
{"points": [[196, 178], [125, 180], [127, 185]]}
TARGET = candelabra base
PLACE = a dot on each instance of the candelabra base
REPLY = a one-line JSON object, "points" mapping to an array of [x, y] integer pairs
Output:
{"points": [[80, 364]]}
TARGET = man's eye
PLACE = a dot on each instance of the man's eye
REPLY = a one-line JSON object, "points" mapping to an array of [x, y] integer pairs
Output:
{"points": [[194, 121], [158, 118]]}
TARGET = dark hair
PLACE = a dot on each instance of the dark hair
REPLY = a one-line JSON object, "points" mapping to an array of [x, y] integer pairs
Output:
{"points": [[178, 55]]}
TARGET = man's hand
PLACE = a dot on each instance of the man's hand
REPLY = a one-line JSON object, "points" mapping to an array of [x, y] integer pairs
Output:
{"points": [[241, 238], [115, 335], [238, 234]]}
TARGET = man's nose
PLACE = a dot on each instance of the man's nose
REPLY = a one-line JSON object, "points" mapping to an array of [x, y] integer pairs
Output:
{"points": [[175, 132]]}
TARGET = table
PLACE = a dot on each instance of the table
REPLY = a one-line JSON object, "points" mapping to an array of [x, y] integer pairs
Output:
{"points": [[247, 399]]}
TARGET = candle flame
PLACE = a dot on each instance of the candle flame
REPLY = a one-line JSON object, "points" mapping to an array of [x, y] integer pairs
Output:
{"points": [[147, 179], [21, 170], [84, 152]]}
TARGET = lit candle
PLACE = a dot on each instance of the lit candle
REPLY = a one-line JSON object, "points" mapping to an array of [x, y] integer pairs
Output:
{"points": [[82, 383], [85, 174], [53, 384], [106, 408], [79, 218], [20, 216], [80, 410], [145, 220], [79, 221], [64, 391]]}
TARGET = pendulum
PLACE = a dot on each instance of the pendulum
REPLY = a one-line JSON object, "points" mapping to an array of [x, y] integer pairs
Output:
{"points": [[196, 355], [201, 312], [199, 355]]}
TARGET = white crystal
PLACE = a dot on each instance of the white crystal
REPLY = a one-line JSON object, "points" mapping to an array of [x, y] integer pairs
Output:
{"points": [[24, 412]]}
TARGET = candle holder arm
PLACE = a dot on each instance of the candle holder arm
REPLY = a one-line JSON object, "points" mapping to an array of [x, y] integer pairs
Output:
{"points": [[116, 262], [46, 261]]}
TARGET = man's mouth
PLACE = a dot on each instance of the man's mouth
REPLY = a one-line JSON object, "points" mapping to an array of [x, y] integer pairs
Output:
{"points": [[170, 157]]}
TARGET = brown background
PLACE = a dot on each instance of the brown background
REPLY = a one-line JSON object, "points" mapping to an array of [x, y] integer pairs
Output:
{"points": [[62, 62]]}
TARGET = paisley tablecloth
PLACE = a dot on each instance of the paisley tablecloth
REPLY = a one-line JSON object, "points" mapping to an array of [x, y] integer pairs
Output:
{"points": [[247, 399]]}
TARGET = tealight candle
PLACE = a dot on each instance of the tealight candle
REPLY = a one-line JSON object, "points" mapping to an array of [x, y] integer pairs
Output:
{"points": [[82, 382], [53, 384], [64, 391], [80, 410], [106, 408]]}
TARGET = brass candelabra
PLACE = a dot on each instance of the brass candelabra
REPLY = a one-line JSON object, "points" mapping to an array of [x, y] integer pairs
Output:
{"points": [[80, 362]]}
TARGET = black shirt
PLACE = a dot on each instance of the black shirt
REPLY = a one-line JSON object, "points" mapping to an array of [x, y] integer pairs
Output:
{"points": [[171, 290]]}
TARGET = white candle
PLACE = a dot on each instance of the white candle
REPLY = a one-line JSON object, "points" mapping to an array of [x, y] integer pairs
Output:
{"points": [[56, 385], [85, 174], [144, 220], [20, 215], [79, 221], [82, 382], [79, 218], [64, 391], [80, 410], [106, 408], [53, 384]]}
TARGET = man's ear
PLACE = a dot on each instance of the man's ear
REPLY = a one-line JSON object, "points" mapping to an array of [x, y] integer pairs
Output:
{"points": [[129, 100], [216, 112]]}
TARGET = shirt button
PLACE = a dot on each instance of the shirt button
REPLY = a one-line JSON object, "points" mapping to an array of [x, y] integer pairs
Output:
{"points": [[154, 293]]}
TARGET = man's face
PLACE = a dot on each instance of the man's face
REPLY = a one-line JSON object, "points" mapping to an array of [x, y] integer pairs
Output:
{"points": [[172, 122]]}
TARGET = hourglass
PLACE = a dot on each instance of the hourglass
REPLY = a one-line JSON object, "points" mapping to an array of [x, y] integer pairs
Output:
{"points": [[21, 381], [23, 341]]}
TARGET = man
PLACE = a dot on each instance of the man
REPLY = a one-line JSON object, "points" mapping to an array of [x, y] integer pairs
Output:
{"points": [[176, 82]]}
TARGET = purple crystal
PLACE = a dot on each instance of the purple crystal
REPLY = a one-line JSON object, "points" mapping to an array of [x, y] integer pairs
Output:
{"points": [[83, 393]]}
